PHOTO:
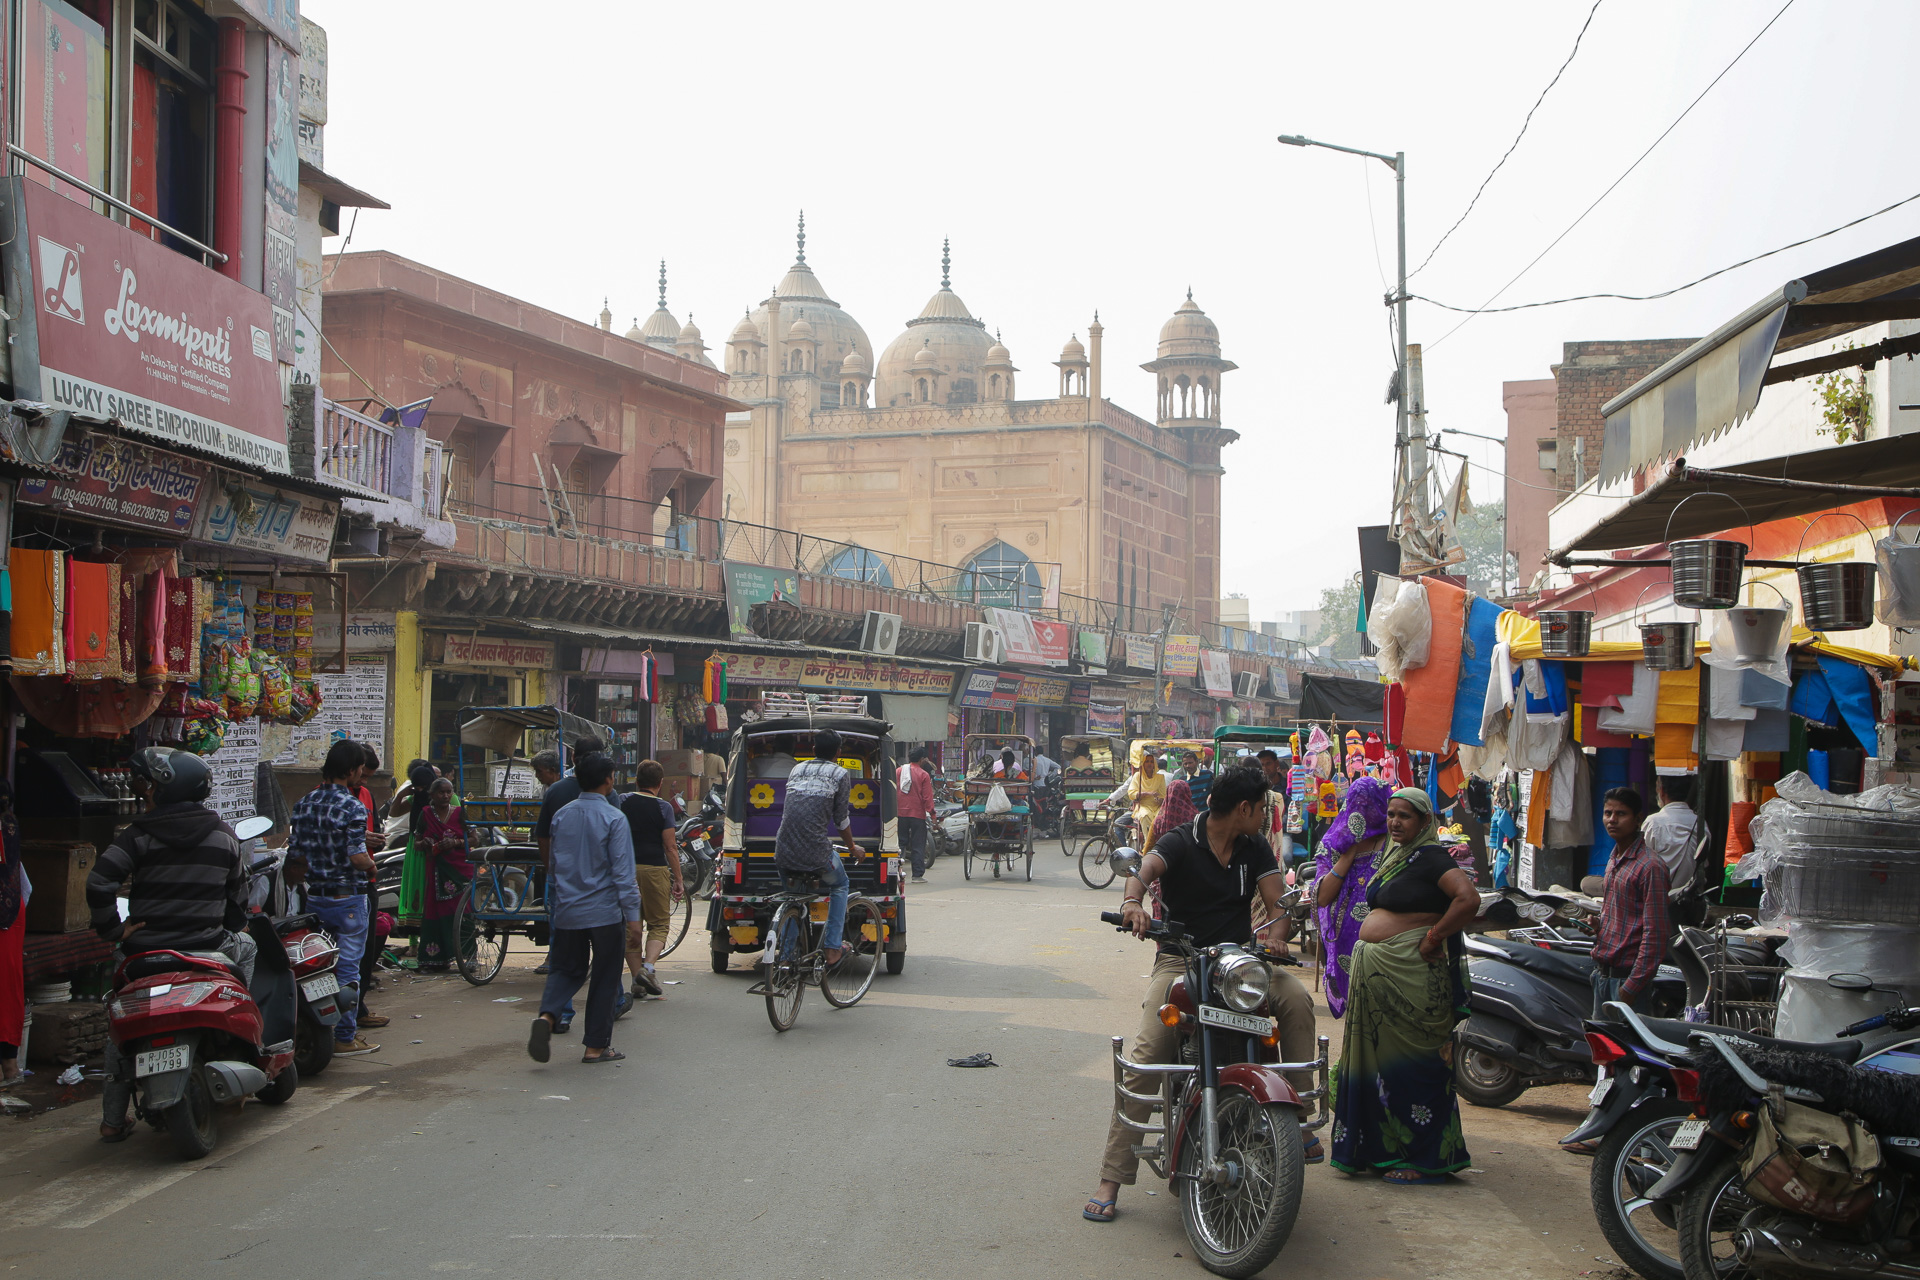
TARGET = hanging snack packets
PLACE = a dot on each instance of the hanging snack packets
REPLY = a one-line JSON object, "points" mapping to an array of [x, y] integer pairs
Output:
{"points": [[303, 613], [306, 701], [276, 687]]}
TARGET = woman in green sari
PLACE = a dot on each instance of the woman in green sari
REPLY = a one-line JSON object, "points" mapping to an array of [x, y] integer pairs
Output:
{"points": [[1394, 1110], [411, 800]]}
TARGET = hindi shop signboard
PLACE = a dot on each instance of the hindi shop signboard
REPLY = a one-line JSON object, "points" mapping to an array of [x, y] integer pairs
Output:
{"points": [[1181, 656], [256, 517], [125, 328], [122, 483], [492, 651], [872, 677]]}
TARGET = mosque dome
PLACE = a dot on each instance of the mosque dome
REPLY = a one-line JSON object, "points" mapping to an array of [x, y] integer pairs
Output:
{"points": [[1073, 351], [944, 338], [660, 330], [803, 297], [745, 331], [635, 333], [998, 353], [691, 344], [1189, 333], [800, 331], [855, 364]]}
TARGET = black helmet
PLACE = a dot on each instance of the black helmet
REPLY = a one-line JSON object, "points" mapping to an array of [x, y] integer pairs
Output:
{"points": [[175, 775]]}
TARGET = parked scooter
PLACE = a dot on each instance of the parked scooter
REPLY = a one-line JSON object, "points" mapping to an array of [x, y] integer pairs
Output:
{"points": [[1529, 1008], [947, 834], [1049, 802], [699, 836]]}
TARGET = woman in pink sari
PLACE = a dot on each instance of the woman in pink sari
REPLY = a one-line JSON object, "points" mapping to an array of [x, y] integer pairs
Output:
{"points": [[1343, 866], [443, 836]]}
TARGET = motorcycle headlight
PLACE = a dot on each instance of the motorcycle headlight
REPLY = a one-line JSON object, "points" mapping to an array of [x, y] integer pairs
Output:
{"points": [[1241, 981]]}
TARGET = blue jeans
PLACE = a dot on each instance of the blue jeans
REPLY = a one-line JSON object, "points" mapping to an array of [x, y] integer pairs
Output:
{"points": [[346, 919], [833, 877], [1606, 987]]}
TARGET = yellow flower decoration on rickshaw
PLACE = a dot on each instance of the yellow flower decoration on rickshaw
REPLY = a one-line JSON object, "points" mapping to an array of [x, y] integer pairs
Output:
{"points": [[761, 797], [861, 795]]}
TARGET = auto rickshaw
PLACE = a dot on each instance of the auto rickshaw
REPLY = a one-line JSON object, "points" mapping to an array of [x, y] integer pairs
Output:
{"points": [[763, 753]]}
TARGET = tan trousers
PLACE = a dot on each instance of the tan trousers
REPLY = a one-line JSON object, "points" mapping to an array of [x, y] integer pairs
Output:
{"points": [[1288, 1002]]}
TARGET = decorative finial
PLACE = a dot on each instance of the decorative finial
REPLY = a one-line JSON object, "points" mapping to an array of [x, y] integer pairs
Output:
{"points": [[801, 239], [946, 262], [1189, 293], [1096, 317], [663, 284]]}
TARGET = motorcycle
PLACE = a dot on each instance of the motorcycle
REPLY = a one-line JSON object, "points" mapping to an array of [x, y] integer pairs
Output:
{"points": [[1529, 1003], [1230, 1129], [1831, 1192], [947, 833], [697, 834]]}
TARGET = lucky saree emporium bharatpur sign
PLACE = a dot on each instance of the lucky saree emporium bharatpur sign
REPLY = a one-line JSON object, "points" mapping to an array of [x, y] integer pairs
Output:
{"points": [[124, 328]]}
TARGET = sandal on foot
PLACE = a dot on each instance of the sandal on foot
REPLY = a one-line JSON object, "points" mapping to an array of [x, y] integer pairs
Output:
{"points": [[1316, 1154], [1417, 1180], [1580, 1148], [539, 1040], [116, 1132], [1100, 1210], [610, 1055]]}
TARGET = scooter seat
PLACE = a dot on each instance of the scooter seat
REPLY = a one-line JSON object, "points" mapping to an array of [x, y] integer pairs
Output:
{"points": [[1677, 1032], [1562, 965], [149, 963]]}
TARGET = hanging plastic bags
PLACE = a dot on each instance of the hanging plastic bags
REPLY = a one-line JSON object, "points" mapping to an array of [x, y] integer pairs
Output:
{"points": [[1401, 627]]}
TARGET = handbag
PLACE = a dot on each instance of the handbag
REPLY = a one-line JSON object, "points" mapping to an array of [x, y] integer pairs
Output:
{"points": [[997, 802], [1811, 1162]]}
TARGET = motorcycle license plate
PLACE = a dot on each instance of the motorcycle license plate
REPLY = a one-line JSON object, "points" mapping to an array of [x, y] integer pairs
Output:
{"points": [[1252, 1024], [1687, 1136], [157, 1061], [324, 985], [1600, 1092]]}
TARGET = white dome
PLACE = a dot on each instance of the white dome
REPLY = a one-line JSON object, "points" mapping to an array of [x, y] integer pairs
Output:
{"points": [[800, 331]]}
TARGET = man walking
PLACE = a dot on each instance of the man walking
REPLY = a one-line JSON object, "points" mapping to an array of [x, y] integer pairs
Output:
{"points": [[327, 850], [594, 903], [656, 865], [818, 792], [1632, 937], [1673, 832], [914, 807]]}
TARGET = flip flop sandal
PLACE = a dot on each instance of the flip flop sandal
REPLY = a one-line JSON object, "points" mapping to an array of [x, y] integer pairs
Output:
{"points": [[121, 1132], [611, 1055], [1423, 1180], [1316, 1154], [1580, 1148], [539, 1041], [1108, 1205], [975, 1060]]}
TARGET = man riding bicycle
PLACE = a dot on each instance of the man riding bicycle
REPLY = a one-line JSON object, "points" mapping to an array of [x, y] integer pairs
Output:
{"points": [[816, 807]]}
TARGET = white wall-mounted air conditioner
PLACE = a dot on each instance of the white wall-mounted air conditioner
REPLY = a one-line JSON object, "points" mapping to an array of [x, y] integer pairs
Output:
{"points": [[985, 643], [1247, 684], [881, 633]]}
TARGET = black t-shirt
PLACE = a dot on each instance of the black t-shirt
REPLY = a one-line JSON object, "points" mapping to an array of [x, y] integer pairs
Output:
{"points": [[1213, 903], [648, 816], [560, 793], [1415, 890]]}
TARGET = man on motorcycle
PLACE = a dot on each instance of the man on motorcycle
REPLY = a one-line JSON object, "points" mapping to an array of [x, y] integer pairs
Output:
{"points": [[1209, 872], [189, 889]]}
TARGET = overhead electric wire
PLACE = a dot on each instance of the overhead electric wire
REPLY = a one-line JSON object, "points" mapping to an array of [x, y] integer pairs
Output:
{"points": [[1487, 305], [1516, 141], [1668, 293]]}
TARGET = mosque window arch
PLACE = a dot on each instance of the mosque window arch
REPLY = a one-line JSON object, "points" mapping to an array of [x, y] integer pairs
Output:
{"points": [[797, 361], [993, 386], [920, 390], [740, 360], [860, 565], [1001, 576]]}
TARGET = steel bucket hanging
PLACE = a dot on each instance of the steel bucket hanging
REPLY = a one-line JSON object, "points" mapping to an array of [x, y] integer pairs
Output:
{"points": [[1707, 571], [1900, 566], [1566, 633], [1666, 646], [1838, 595], [1757, 631]]}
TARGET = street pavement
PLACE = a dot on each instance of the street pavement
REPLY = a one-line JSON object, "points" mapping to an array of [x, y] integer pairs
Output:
{"points": [[844, 1147]]}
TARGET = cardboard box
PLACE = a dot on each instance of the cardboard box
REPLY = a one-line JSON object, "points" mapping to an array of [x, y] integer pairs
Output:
{"points": [[58, 869], [686, 790], [683, 763]]}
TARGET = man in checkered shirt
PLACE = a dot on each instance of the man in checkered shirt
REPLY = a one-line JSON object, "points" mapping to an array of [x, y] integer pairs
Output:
{"points": [[327, 848]]}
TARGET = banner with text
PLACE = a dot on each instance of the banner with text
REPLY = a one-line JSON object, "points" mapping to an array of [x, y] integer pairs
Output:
{"points": [[490, 651], [1139, 651], [1182, 657], [1217, 670]]}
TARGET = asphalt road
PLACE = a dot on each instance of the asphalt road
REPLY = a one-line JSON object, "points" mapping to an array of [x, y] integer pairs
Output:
{"points": [[844, 1147]]}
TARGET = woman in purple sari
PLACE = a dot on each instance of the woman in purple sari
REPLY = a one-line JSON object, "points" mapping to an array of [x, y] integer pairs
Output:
{"points": [[1343, 867]]}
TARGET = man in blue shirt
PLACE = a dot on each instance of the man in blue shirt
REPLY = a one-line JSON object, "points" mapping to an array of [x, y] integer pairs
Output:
{"points": [[327, 851], [594, 903]]}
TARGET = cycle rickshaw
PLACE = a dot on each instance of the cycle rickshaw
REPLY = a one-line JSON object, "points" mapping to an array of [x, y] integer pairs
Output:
{"points": [[998, 839]]}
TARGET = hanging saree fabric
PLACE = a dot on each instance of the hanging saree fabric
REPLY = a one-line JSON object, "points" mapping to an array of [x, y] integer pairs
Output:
{"points": [[713, 680], [93, 621], [39, 612]]}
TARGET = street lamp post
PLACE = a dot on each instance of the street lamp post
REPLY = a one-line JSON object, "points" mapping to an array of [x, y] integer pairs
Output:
{"points": [[1412, 460]]}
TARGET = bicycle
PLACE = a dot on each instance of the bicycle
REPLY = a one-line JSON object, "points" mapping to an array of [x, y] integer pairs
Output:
{"points": [[794, 960], [1096, 855]]}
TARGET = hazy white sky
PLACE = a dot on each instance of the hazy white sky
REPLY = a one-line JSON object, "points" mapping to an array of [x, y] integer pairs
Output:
{"points": [[1109, 156]]}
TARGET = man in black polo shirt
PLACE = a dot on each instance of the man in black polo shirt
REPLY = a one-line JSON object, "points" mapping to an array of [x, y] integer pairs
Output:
{"points": [[1209, 871]]}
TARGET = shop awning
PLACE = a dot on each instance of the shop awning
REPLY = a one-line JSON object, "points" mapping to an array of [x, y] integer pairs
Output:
{"points": [[499, 728], [1342, 698], [1773, 489], [1715, 384]]}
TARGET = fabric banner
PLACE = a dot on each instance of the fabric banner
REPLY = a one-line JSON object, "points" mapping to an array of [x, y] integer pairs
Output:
{"points": [[1217, 670], [1106, 717], [1182, 656], [1139, 651], [1342, 698]]}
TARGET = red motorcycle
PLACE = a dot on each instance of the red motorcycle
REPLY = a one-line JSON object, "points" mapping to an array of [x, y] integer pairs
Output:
{"points": [[195, 1037]]}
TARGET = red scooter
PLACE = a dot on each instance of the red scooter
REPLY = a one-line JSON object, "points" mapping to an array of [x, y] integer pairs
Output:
{"points": [[194, 1037]]}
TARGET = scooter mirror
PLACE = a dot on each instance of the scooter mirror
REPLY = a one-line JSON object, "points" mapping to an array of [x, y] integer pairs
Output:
{"points": [[252, 828], [1850, 982], [1125, 862]]}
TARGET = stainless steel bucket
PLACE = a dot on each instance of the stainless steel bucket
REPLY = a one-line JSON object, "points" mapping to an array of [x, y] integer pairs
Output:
{"points": [[1707, 572], [1837, 596], [1900, 564], [1668, 646], [1566, 633]]}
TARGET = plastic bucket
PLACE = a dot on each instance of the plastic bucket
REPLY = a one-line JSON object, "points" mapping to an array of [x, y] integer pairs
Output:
{"points": [[1566, 633], [1707, 572], [1668, 646], [1757, 631], [1837, 596]]}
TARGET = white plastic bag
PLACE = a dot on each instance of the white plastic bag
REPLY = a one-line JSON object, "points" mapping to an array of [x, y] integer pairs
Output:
{"points": [[997, 802], [1401, 627]]}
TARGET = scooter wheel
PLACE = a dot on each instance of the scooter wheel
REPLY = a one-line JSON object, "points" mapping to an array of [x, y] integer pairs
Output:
{"points": [[193, 1122], [312, 1047], [281, 1088]]}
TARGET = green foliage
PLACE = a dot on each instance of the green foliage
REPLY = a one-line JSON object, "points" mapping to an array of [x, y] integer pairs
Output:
{"points": [[1483, 535], [1846, 404], [1339, 611]]}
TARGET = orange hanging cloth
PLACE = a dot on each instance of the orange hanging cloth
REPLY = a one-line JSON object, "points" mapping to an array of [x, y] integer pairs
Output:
{"points": [[93, 620], [39, 608], [1430, 689]]}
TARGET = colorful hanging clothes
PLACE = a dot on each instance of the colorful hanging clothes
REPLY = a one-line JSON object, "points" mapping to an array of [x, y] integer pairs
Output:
{"points": [[1476, 669], [1676, 713], [39, 609], [93, 620], [185, 602], [1605, 684], [1431, 688]]}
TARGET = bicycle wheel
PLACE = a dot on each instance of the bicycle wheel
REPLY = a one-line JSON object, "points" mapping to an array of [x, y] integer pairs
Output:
{"points": [[844, 983], [1096, 863], [679, 931], [785, 983], [967, 866], [481, 947]]}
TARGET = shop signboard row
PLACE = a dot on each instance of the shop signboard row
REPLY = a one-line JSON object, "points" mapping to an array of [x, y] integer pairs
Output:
{"points": [[989, 690], [1031, 641], [855, 674], [1178, 657]]}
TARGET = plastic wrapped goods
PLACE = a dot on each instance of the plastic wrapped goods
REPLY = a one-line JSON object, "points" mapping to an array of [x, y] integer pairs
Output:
{"points": [[1828, 858], [1401, 627]]}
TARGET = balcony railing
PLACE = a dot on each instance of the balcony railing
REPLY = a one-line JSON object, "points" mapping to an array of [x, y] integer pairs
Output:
{"points": [[354, 449]]}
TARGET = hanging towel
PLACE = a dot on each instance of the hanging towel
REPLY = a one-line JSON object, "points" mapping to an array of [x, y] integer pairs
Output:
{"points": [[1853, 691], [1758, 689], [1676, 715], [1726, 739], [39, 611], [1606, 684], [1723, 693], [1494, 712], [1588, 733], [1477, 648], [1570, 800], [93, 620], [1767, 731], [1545, 681], [1430, 688], [1637, 710]]}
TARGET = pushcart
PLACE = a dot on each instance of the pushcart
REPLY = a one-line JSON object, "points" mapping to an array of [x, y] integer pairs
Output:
{"points": [[998, 839]]}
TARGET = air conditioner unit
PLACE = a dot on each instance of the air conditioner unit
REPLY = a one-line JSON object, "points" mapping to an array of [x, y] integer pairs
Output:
{"points": [[881, 634], [984, 643], [1247, 684]]}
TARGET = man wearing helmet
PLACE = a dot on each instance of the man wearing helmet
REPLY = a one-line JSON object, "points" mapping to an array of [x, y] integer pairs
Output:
{"points": [[189, 889]]}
